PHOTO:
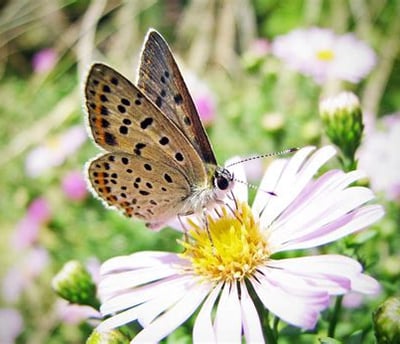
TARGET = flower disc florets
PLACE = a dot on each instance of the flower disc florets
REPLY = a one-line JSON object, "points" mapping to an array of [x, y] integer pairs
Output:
{"points": [[230, 249]]}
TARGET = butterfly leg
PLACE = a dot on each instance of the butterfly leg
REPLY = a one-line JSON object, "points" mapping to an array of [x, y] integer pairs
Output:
{"points": [[205, 221], [232, 210]]}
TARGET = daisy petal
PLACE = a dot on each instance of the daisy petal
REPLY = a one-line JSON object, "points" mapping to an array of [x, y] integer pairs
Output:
{"points": [[347, 224], [136, 296], [228, 317], [292, 177], [251, 322], [203, 330], [301, 309], [318, 213], [125, 272], [121, 281], [334, 274], [137, 260], [119, 319], [174, 316], [152, 309]]}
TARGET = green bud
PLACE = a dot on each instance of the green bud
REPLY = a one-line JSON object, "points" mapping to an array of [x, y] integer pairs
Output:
{"points": [[387, 322], [109, 337], [342, 118], [74, 283]]}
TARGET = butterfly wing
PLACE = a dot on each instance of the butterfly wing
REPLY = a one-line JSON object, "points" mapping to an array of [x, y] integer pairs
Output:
{"points": [[123, 120], [147, 189], [161, 80]]}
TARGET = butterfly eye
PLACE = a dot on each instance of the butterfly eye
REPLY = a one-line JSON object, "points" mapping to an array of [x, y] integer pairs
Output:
{"points": [[223, 179]]}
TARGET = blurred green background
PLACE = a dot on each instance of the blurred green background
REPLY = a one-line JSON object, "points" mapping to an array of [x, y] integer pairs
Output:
{"points": [[252, 102]]}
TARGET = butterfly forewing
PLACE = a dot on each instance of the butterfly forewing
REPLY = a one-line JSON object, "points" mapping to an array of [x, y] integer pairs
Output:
{"points": [[140, 187], [161, 80], [123, 119]]}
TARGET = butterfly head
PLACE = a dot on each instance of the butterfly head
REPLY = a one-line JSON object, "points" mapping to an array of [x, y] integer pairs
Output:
{"points": [[223, 181]]}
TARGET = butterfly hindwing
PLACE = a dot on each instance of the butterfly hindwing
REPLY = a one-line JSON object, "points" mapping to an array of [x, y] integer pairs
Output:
{"points": [[160, 79], [139, 187]]}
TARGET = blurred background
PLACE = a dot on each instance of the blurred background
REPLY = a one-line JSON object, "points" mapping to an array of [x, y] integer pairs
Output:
{"points": [[257, 71]]}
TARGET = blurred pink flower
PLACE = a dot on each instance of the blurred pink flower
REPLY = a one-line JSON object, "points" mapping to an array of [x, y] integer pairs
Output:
{"points": [[74, 186], [322, 54], [54, 151], [75, 314], [260, 47], [39, 210], [353, 300], [161, 290], [27, 229], [379, 158], [25, 234], [203, 97], [23, 273], [93, 266], [44, 60], [11, 325]]}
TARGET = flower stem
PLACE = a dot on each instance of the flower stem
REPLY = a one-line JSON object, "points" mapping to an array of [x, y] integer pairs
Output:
{"points": [[335, 316], [270, 334]]}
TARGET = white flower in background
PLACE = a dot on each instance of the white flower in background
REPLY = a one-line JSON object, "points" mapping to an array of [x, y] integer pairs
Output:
{"points": [[380, 159], [323, 55], [54, 151], [161, 290]]}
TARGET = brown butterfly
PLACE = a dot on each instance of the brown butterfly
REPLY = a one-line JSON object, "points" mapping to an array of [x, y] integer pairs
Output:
{"points": [[158, 162]]}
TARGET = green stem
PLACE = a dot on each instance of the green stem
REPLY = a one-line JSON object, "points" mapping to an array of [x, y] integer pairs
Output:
{"points": [[335, 316], [270, 336]]}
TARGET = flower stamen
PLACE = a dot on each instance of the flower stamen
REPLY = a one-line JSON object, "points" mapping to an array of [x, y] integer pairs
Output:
{"points": [[325, 55], [237, 246]]}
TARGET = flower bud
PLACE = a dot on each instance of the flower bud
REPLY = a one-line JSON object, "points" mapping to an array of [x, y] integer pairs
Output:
{"points": [[387, 322], [342, 118], [109, 337], [74, 283]]}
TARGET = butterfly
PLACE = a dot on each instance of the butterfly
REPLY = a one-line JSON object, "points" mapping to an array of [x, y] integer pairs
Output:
{"points": [[158, 161]]}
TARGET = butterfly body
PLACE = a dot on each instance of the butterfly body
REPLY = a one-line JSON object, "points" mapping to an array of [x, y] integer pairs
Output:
{"points": [[158, 162]]}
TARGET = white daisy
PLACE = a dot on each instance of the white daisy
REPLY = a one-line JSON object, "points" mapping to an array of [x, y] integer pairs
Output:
{"points": [[161, 290], [322, 54]]}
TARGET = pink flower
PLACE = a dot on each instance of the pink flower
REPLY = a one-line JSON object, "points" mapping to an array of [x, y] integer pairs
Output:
{"points": [[54, 151], [74, 186], [206, 108], [22, 274], [74, 314], [260, 47], [44, 60], [27, 229], [11, 325], [39, 210], [203, 98], [324, 55], [161, 290]]}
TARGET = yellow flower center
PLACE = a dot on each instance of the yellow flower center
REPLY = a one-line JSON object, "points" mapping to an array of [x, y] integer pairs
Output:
{"points": [[325, 55], [230, 248]]}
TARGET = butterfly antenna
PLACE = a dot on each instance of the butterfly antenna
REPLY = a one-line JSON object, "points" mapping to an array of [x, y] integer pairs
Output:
{"points": [[282, 152], [255, 187]]}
